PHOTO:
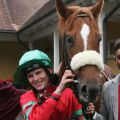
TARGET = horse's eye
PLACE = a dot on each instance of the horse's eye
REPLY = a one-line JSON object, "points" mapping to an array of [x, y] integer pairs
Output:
{"points": [[69, 39]]}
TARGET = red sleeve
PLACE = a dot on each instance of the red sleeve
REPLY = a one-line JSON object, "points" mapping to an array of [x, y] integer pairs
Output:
{"points": [[70, 100], [33, 111], [76, 104]]}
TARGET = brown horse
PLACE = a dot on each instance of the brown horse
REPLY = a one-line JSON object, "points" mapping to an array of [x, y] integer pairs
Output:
{"points": [[80, 44]]}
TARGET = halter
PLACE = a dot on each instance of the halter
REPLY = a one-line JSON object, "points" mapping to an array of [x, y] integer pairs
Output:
{"points": [[67, 65], [66, 57], [65, 51]]}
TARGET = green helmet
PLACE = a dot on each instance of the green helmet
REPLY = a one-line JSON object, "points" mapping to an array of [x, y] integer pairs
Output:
{"points": [[27, 60]]}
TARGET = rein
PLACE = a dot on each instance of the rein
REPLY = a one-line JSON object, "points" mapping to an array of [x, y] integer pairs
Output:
{"points": [[75, 85], [65, 53], [66, 57]]}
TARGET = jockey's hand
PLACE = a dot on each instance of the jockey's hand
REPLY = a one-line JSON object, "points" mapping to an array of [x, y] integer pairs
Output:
{"points": [[90, 109], [66, 78]]}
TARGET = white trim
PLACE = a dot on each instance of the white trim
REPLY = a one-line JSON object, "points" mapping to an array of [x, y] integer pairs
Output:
{"points": [[88, 57]]}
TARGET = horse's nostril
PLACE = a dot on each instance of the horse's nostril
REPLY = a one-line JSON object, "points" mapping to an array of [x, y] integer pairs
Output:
{"points": [[84, 89]]}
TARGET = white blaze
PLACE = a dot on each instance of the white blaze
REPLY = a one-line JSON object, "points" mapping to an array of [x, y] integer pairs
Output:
{"points": [[84, 33]]}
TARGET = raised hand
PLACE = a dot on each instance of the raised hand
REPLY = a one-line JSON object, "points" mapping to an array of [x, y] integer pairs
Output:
{"points": [[66, 78]]}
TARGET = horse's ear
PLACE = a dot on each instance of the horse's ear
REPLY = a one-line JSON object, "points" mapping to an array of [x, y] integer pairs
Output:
{"points": [[97, 8], [62, 9]]}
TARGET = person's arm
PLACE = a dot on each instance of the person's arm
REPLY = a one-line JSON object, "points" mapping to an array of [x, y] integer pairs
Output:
{"points": [[9, 100], [103, 115], [104, 102], [33, 111]]}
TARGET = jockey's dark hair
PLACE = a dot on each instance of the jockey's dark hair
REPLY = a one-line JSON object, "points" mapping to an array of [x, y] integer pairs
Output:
{"points": [[117, 45]]}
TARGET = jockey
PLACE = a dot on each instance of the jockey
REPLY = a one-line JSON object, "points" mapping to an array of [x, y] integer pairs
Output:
{"points": [[44, 101]]}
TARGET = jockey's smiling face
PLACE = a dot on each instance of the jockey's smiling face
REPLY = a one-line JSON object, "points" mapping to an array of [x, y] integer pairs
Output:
{"points": [[39, 79]]}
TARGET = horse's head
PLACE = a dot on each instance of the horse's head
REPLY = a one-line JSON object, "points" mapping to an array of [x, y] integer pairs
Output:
{"points": [[80, 39], [79, 26]]}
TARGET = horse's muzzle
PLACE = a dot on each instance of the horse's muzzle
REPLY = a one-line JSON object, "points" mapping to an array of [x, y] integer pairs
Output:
{"points": [[88, 93]]}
